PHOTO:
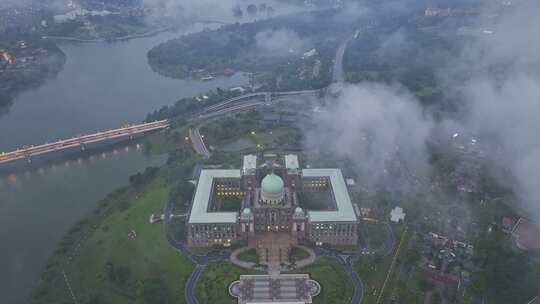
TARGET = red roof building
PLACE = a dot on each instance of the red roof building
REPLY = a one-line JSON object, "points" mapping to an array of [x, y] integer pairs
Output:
{"points": [[526, 235]]}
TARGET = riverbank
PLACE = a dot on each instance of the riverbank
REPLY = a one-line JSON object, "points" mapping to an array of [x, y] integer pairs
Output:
{"points": [[121, 38], [27, 64], [115, 254], [117, 87]]}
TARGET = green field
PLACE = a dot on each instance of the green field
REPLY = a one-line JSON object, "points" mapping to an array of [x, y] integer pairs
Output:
{"points": [[336, 285], [373, 270], [213, 284], [374, 233], [114, 267]]}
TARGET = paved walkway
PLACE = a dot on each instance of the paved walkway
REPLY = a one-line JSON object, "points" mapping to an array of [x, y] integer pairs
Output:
{"points": [[250, 265]]}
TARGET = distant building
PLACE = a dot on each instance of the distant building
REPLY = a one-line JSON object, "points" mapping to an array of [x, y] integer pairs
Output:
{"points": [[228, 72], [397, 215], [309, 54], [240, 90], [270, 191], [526, 235]]}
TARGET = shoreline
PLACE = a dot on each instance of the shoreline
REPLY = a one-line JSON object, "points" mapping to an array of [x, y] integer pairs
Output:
{"points": [[128, 37]]}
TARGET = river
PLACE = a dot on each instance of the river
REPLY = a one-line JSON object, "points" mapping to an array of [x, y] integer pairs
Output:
{"points": [[102, 86]]}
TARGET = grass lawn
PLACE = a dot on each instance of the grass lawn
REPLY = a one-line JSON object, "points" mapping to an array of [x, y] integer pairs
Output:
{"points": [[231, 203], [374, 233], [373, 270], [314, 200], [336, 285], [167, 141], [141, 258], [213, 284], [249, 255]]}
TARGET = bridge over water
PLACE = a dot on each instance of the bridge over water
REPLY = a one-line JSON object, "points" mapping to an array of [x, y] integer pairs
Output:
{"points": [[64, 147]]}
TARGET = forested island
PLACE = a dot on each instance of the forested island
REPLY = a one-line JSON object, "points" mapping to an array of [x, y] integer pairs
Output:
{"points": [[284, 53]]}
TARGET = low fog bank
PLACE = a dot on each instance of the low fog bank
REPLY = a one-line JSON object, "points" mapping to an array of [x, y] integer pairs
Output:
{"points": [[381, 129], [502, 97], [379, 126], [219, 10], [280, 42]]}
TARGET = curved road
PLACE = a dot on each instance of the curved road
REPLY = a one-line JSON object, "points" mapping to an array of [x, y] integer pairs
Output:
{"points": [[338, 74], [191, 283]]}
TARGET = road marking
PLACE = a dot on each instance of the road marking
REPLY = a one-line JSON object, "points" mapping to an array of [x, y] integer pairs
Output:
{"points": [[69, 287], [392, 265]]}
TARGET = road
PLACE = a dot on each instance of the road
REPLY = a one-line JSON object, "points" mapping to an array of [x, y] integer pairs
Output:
{"points": [[338, 74], [198, 143], [347, 261], [199, 260], [191, 283], [264, 96]]}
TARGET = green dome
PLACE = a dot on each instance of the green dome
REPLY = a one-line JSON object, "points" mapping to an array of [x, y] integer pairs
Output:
{"points": [[272, 184]]}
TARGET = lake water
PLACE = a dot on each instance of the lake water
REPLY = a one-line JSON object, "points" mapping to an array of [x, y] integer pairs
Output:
{"points": [[102, 86]]}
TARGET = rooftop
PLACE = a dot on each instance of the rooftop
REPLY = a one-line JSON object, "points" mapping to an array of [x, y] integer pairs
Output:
{"points": [[291, 161], [250, 162], [397, 215], [199, 211], [527, 234], [345, 211], [272, 183]]}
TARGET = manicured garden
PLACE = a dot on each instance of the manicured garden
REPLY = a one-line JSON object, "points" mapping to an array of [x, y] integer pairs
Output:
{"points": [[297, 254], [213, 284]]}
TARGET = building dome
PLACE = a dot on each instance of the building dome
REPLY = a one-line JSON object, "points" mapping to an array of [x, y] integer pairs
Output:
{"points": [[272, 183], [299, 211], [246, 211]]}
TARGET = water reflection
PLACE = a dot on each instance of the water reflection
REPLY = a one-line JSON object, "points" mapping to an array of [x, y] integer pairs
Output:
{"points": [[37, 206]]}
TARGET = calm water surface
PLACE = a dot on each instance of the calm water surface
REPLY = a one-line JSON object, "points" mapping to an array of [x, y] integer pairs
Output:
{"points": [[102, 86]]}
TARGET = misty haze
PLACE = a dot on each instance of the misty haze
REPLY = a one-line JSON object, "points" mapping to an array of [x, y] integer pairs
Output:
{"points": [[270, 151]]}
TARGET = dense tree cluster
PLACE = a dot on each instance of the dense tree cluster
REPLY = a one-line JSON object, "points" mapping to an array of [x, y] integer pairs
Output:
{"points": [[236, 46]]}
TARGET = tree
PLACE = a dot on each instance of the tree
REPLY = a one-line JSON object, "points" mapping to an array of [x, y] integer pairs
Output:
{"points": [[425, 285], [252, 9], [152, 291], [270, 11], [436, 298], [237, 12]]}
